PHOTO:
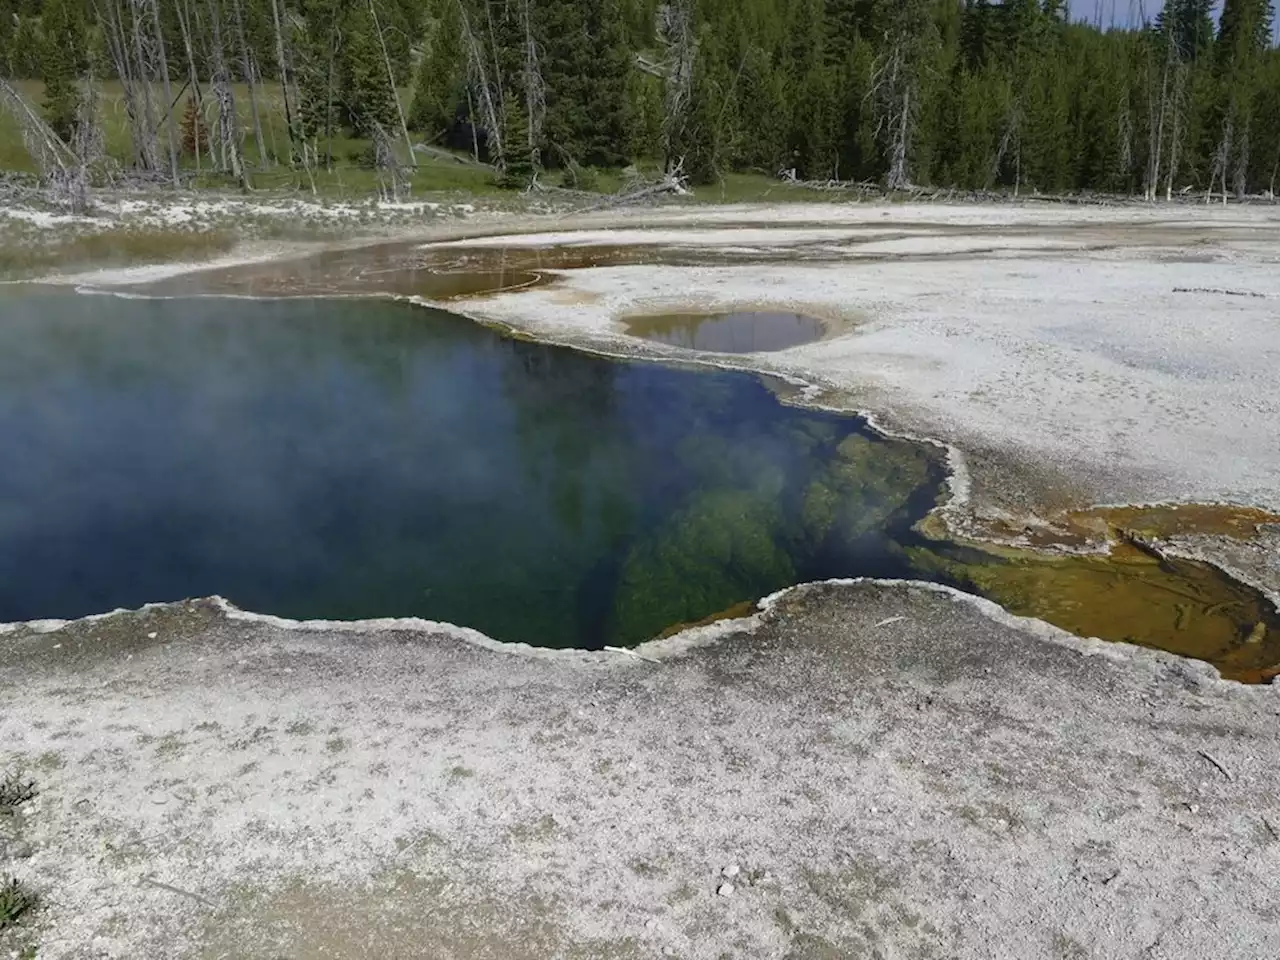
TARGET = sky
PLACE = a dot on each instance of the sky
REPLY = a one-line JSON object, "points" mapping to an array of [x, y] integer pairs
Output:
{"points": [[1124, 13]]}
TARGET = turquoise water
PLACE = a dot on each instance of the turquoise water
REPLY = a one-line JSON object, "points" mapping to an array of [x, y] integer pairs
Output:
{"points": [[349, 459]]}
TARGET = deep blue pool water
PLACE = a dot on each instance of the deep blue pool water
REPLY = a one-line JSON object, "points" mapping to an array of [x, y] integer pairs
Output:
{"points": [[360, 458]]}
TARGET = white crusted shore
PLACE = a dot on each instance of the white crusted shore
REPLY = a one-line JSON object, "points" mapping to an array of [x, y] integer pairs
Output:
{"points": [[877, 769], [891, 770]]}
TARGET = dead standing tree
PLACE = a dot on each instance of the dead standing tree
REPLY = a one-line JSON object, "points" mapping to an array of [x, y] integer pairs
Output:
{"points": [[391, 82], [64, 177], [287, 86], [1177, 123], [160, 56], [120, 30], [393, 182], [478, 79], [535, 91], [895, 87], [250, 70], [675, 32], [183, 12], [230, 154]]}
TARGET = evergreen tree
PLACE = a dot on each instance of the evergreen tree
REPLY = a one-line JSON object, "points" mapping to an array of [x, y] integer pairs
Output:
{"points": [[367, 92], [976, 33], [7, 27], [972, 93], [1189, 26], [607, 136], [439, 88], [320, 76], [63, 57]]}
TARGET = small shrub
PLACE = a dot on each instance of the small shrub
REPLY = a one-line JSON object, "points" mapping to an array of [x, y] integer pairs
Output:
{"points": [[581, 178], [16, 900], [14, 792], [366, 158]]}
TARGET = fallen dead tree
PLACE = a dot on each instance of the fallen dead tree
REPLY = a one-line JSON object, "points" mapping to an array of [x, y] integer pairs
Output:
{"points": [[63, 175], [925, 194]]}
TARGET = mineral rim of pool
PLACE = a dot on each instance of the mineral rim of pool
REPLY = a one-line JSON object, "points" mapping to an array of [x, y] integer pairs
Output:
{"points": [[737, 331], [359, 458]]}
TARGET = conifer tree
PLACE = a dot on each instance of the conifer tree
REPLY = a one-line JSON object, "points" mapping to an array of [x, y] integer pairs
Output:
{"points": [[63, 57], [367, 93], [439, 87]]}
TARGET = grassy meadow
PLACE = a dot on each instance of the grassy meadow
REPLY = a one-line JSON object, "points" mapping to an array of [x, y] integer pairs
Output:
{"points": [[349, 178]]}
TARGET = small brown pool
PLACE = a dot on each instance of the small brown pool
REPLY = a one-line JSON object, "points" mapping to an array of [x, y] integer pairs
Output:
{"points": [[753, 331]]}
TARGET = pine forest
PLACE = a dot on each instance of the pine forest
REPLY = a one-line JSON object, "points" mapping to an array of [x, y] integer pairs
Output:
{"points": [[977, 95]]}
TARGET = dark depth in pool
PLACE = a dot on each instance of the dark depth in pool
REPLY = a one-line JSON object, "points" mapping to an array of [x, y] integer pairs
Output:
{"points": [[359, 458]]}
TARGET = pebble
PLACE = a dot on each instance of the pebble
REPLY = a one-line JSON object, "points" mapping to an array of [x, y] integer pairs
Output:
{"points": [[650, 923], [725, 890], [152, 635], [732, 870]]}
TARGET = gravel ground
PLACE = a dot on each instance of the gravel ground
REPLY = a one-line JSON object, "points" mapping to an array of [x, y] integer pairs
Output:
{"points": [[875, 770]]}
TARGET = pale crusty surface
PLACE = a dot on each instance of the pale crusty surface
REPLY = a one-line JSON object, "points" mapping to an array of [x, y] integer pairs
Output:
{"points": [[894, 771]]}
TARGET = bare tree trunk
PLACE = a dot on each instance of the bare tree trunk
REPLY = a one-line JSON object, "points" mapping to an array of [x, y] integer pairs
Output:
{"points": [[334, 40], [1241, 179], [1177, 108], [126, 52], [142, 138], [480, 78], [168, 92], [676, 31], [193, 75], [1157, 134], [894, 90], [250, 70], [63, 173], [1220, 159], [391, 180], [46, 148], [535, 97], [475, 140], [497, 61], [144, 80], [1017, 168], [1126, 142], [1012, 137], [391, 82], [231, 155], [898, 177], [282, 64]]}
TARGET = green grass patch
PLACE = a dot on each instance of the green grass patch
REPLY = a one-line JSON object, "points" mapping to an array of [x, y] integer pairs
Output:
{"points": [[351, 175], [17, 900]]}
